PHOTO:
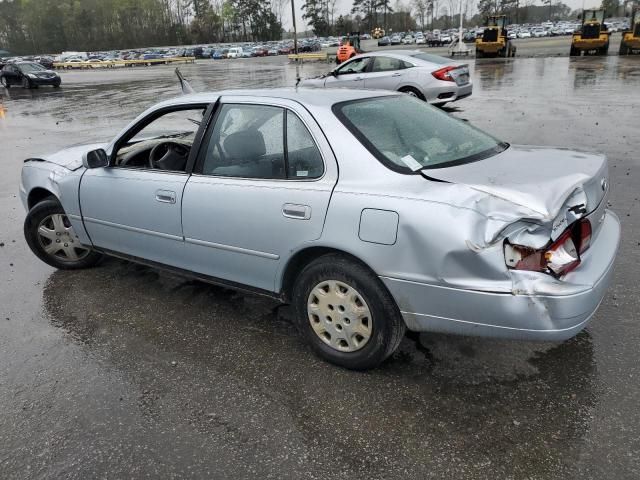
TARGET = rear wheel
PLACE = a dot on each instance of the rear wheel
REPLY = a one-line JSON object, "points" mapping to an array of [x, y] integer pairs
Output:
{"points": [[52, 239], [479, 53], [345, 313], [5, 83], [412, 92], [574, 52]]}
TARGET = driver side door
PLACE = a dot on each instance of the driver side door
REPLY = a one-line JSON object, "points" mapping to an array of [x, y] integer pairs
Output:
{"points": [[133, 207], [349, 75]]}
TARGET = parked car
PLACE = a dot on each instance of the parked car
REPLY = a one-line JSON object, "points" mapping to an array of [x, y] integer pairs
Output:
{"points": [[28, 75], [396, 40], [408, 40], [421, 40], [234, 52], [432, 224], [384, 42], [217, 55], [436, 79]]}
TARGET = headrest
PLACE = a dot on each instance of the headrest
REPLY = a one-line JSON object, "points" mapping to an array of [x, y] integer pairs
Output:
{"points": [[247, 145]]}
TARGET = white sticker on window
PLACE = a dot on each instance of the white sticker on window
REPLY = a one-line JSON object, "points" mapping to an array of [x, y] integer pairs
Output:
{"points": [[302, 173], [412, 163]]}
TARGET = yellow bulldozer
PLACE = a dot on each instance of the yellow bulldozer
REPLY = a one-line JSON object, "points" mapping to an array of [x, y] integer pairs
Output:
{"points": [[630, 42], [377, 33], [592, 37], [494, 41]]}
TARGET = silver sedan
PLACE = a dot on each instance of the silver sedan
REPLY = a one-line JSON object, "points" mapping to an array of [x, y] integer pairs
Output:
{"points": [[433, 78], [369, 212]]}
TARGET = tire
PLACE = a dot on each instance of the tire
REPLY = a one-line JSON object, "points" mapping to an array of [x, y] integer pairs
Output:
{"points": [[413, 92], [49, 216], [574, 52], [5, 83], [56, 85], [26, 83], [479, 54], [357, 345], [623, 50]]}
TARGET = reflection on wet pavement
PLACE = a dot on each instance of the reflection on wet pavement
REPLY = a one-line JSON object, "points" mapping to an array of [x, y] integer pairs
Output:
{"points": [[476, 396], [125, 371]]}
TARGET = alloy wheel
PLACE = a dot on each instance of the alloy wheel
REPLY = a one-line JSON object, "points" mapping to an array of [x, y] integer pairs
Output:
{"points": [[339, 316], [58, 239]]}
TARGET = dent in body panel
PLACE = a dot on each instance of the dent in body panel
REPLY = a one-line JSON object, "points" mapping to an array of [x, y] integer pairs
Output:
{"points": [[62, 183]]}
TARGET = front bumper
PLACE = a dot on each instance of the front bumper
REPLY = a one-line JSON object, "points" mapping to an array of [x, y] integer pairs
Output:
{"points": [[540, 307], [45, 81]]}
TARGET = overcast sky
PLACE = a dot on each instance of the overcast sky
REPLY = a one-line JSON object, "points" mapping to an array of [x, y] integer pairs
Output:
{"points": [[344, 6]]}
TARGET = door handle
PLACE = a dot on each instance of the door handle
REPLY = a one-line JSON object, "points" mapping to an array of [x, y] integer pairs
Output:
{"points": [[396, 74], [298, 212], [165, 196], [357, 78]]}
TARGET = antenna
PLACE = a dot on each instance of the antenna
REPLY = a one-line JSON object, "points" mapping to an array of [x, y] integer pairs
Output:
{"points": [[184, 85]]}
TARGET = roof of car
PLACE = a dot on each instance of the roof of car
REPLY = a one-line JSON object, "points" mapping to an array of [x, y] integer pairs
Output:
{"points": [[323, 97]]}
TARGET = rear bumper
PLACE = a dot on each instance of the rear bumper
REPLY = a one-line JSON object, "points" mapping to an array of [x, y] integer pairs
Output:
{"points": [[541, 307], [448, 92]]}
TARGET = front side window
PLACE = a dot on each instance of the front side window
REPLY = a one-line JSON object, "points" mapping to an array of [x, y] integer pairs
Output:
{"points": [[259, 141], [164, 143], [407, 134], [359, 65]]}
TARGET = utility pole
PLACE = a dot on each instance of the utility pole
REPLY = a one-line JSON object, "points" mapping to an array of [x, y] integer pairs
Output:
{"points": [[295, 31]]}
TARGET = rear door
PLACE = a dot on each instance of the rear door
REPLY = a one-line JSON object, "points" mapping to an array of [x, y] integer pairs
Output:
{"points": [[260, 190], [386, 73]]}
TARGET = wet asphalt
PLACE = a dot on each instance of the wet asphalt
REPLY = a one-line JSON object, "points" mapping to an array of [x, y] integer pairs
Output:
{"points": [[123, 371]]}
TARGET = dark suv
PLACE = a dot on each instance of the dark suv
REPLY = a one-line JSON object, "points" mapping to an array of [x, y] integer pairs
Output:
{"points": [[29, 75]]}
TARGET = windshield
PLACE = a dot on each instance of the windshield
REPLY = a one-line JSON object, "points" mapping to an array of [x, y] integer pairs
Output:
{"points": [[407, 134], [31, 67]]}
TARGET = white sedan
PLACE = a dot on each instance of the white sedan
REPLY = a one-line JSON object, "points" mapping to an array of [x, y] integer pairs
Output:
{"points": [[435, 79]]}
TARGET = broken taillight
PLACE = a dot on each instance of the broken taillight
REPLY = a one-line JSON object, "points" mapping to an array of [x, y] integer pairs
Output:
{"points": [[444, 73], [558, 258]]}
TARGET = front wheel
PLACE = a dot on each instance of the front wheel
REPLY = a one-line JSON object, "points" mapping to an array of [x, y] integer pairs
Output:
{"points": [[346, 314], [26, 83], [51, 238]]}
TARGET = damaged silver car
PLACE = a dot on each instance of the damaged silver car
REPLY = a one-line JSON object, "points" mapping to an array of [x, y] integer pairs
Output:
{"points": [[369, 212]]}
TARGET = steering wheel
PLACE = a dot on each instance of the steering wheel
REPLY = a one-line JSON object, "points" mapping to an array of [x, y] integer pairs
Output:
{"points": [[169, 156]]}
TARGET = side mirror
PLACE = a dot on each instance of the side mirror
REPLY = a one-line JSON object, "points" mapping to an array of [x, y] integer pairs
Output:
{"points": [[334, 73], [95, 159]]}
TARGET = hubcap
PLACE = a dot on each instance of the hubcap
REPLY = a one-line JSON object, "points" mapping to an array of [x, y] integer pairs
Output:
{"points": [[58, 239], [339, 316], [411, 93]]}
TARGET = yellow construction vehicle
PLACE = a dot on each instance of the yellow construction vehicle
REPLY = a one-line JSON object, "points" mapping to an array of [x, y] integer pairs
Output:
{"points": [[377, 33], [494, 41], [592, 37], [631, 38]]}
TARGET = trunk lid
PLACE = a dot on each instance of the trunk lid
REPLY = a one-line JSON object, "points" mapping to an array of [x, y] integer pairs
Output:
{"points": [[551, 182]]}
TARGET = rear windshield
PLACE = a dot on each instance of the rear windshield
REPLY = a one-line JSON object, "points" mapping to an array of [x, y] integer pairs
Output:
{"points": [[407, 134]]}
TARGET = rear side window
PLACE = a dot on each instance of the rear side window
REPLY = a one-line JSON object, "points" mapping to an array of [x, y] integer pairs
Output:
{"points": [[303, 157], [387, 64], [259, 141]]}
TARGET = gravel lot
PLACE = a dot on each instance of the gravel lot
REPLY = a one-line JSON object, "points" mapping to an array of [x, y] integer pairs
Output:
{"points": [[126, 372]]}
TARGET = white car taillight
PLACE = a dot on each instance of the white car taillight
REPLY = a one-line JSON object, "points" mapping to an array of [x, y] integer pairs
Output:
{"points": [[558, 258]]}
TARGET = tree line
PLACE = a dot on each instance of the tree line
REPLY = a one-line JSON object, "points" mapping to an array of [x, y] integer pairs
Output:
{"points": [[52, 26], [430, 14]]}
